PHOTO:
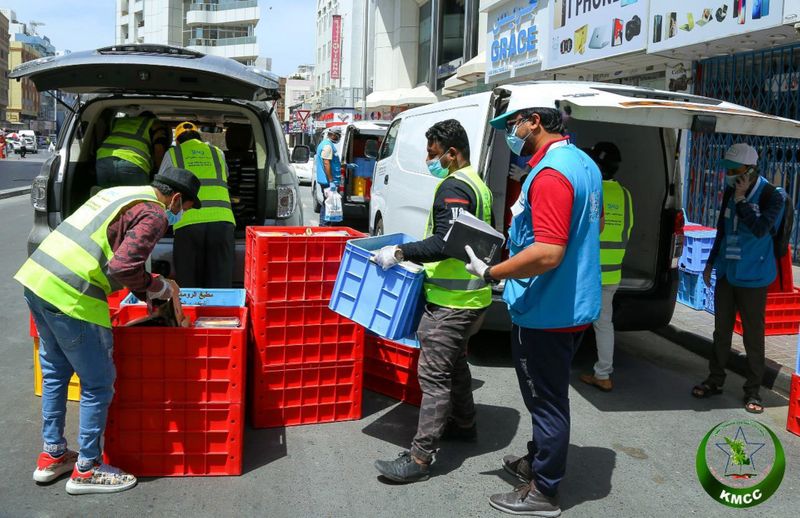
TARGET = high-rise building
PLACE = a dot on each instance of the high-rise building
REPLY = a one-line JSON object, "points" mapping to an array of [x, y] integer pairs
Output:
{"points": [[3, 66], [218, 27]]}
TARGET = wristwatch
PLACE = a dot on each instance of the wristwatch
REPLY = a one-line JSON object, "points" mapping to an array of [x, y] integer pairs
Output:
{"points": [[487, 276]]}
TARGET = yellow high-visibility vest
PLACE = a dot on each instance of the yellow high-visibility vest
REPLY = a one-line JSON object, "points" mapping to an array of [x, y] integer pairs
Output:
{"points": [[130, 141], [618, 208], [68, 269], [448, 283]]}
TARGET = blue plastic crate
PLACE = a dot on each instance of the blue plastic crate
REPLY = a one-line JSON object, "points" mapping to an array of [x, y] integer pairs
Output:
{"points": [[202, 297], [697, 246], [385, 302], [691, 290], [709, 293], [364, 167]]}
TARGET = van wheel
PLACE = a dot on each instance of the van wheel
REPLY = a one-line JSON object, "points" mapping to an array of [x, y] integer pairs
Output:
{"points": [[378, 226]]}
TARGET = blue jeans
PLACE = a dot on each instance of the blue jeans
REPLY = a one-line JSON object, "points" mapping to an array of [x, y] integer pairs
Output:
{"points": [[68, 345], [542, 360], [113, 172]]}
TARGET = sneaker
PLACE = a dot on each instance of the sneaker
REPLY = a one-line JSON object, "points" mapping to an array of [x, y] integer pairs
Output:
{"points": [[453, 432], [527, 501], [49, 468], [101, 478], [403, 469], [520, 467]]}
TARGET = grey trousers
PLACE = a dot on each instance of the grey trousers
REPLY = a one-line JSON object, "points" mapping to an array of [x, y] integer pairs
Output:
{"points": [[751, 304], [444, 375], [604, 334]]}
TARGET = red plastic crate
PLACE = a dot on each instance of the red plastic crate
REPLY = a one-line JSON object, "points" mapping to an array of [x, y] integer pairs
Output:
{"points": [[793, 419], [294, 267], [299, 333], [158, 365], [179, 440], [307, 395], [113, 305], [782, 315], [390, 369]]}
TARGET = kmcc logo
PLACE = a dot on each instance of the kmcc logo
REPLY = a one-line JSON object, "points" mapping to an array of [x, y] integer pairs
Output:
{"points": [[740, 463]]}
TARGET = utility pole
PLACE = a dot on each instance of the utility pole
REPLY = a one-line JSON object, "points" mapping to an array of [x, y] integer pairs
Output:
{"points": [[364, 81]]}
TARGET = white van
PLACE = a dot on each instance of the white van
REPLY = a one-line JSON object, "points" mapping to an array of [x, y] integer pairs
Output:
{"points": [[28, 139], [358, 148], [640, 121]]}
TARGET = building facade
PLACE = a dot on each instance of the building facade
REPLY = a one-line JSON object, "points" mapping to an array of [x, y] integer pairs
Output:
{"points": [[223, 28], [4, 50], [23, 98]]}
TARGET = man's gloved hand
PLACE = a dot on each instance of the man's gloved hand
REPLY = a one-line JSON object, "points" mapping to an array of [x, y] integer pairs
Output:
{"points": [[388, 256], [351, 167], [516, 172], [166, 292], [475, 266]]}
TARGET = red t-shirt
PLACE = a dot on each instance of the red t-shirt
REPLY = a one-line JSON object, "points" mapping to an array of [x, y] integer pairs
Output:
{"points": [[551, 196]]}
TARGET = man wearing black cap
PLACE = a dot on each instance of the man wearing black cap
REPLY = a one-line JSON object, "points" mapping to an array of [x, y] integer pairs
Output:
{"points": [[67, 280]]}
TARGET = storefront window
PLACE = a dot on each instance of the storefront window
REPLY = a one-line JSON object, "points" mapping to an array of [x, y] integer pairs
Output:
{"points": [[424, 52], [451, 37]]}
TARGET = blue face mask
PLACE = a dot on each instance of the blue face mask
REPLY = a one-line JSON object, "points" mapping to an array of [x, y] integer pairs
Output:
{"points": [[436, 169], [173, 218], [731, 180], [515, 143]]}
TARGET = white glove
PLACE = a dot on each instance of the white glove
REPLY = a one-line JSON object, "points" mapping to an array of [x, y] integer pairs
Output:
{"points": [[475, 266], [166, 292], [387, 256], [516, 172]]}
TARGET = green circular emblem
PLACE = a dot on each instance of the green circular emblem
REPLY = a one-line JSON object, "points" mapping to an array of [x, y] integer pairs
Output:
{"points": [[740, 463]]}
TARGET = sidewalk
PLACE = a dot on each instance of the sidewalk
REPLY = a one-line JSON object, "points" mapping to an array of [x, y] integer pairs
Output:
{"points": [[694, 330]]}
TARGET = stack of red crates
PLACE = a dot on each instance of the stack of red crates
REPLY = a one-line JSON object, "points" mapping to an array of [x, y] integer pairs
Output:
{"points": [[178, 407], [783, 303], [390, 368], [306, 362], [793, 416]]}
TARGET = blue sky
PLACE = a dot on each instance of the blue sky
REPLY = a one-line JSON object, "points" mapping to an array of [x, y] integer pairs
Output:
{"points": [[285, 33]]}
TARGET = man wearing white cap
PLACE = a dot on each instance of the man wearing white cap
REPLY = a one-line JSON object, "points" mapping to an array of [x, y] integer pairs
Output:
{"points": [[744, 257]]}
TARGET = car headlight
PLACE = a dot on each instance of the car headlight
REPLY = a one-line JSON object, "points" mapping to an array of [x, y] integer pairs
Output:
{"points": [[287, 201]]}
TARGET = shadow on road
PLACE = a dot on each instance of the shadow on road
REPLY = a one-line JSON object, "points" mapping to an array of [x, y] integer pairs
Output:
{"points": [[263, 446], [496, 429]]}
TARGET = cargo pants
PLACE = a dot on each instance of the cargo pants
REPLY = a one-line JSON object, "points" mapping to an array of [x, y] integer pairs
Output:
{"points": [[444, 375]]}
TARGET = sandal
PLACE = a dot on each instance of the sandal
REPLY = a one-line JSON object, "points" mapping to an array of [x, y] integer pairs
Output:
{"points": [[753, 404], [705, 390]]}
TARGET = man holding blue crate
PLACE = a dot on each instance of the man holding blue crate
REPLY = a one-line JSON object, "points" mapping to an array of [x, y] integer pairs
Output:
{"points": [[744, 253], [456, 303]]}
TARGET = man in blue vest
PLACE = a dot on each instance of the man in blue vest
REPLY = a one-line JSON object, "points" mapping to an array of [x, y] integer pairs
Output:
{"points": [[552, 291], [744, 258], [329, 168]]}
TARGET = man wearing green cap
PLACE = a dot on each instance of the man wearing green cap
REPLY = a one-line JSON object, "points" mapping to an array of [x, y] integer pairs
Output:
{"points": [[743, 255]]}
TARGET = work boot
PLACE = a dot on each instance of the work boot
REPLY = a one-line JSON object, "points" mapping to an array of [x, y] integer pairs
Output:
{"points": [[520, 467], [403, 469], [526, 500], [604, 385], [453, 432]]}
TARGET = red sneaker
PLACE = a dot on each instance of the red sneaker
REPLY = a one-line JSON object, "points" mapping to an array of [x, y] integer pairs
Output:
{"points": [[49, 468]]}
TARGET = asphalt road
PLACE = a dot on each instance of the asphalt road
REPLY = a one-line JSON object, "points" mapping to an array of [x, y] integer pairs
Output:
{"points": [[632, 451], [19, 172]]}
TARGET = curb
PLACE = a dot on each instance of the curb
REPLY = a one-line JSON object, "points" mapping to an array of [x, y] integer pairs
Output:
{"points": [[776, 376], [19, 191]]}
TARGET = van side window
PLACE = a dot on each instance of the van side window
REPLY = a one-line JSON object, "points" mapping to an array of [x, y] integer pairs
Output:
{"points": [[391, 138]]}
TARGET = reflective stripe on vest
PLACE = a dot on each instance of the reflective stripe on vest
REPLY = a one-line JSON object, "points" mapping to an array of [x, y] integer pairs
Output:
{"points": [[130, 141], [206, 162], [68, 269], [618, 211], [447, 282]]}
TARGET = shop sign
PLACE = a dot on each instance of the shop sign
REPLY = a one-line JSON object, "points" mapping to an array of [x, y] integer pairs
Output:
{"points": [[679, 23], [513, 38], [588, 30], [336, 46]]}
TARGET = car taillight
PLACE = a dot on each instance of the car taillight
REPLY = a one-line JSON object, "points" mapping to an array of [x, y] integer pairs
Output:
{"points": [[677, 238], [680, 221], [287, 201], [39, 193]]}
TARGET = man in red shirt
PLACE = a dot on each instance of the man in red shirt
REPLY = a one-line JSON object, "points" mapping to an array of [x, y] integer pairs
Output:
{"points": [[552, 291]]}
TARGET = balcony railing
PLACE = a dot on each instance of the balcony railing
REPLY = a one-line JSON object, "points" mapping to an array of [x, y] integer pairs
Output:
{"points": [[224, 6], [219, 42]]}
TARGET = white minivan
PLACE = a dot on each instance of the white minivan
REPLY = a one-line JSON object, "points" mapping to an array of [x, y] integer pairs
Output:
{"points": [[644, 123]]}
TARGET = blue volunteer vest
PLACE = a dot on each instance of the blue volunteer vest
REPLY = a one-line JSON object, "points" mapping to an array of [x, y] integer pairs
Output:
{"points": [[757, 267], [336, 164], [568, 295]]}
